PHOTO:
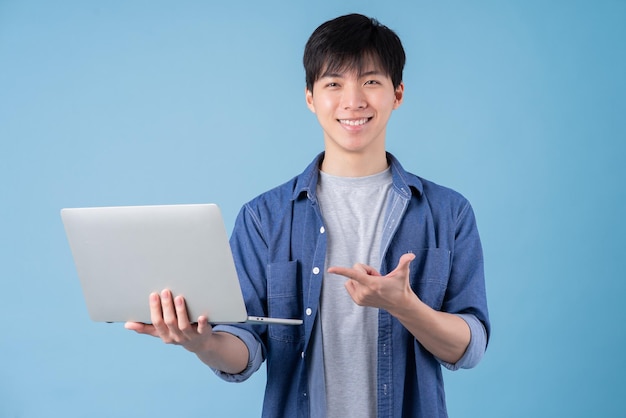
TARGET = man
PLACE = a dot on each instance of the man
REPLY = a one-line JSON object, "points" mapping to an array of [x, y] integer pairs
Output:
{"points": [[375, 334]]}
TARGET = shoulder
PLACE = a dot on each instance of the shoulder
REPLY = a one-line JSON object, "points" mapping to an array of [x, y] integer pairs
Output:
{"points": [[423, 188], [435, 192], [275, 201], [441, 201], [447, 206]]}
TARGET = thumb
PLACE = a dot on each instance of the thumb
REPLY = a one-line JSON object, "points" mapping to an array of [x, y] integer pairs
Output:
{"points": [[404, 263]]}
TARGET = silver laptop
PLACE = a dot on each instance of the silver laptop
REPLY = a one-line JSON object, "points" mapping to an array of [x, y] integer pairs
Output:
{"points": [[124, 253]]}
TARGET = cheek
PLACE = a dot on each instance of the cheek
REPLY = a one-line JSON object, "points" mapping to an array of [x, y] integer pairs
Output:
{"points": [[393, 104], [324, 108], [325, 103]]}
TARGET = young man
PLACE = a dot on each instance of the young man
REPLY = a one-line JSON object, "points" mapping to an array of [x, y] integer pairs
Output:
{"points": [[375, 334]]}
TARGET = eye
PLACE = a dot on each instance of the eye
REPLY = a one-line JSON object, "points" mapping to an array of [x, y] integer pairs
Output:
{"points": [[332, 84], [371, 82]]}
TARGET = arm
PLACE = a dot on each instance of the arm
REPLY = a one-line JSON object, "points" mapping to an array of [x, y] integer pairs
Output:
{"points": [[219, 350], [445, 335]]}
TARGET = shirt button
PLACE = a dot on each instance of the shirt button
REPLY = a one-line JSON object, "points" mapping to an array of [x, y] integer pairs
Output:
{"points": [[316, 270], [308, 311], [303, 354], [322, 230]]}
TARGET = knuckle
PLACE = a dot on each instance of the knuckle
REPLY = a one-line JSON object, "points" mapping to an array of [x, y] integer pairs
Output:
{"points": [[171, 341], [158, 322], [170, 321]]}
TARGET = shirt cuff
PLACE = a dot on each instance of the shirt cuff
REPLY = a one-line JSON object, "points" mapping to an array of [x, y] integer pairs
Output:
{"points": [[255, 356], [476, 347]]}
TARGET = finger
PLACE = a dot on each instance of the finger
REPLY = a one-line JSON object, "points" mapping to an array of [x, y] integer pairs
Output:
{"points": [[181, 313], [156, 314], [369, 270], [141, 328], [360, 294], [134, 326], [203, 325], [343, 271], [403, 264], [358, 275], [351, 287], [169, 313]]}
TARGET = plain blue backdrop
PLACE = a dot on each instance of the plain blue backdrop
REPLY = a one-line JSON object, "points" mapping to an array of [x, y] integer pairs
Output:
{"points": [[520, 105]]}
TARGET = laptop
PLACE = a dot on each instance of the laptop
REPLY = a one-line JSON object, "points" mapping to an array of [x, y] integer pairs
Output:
{"points": [[124, 253]]}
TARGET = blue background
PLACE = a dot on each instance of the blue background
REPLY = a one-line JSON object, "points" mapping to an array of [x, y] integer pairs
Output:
{"points": [[519, 105]]}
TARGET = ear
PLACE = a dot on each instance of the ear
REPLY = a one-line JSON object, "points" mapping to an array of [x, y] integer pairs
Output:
{"points": [[308, 96], [399, 93]]}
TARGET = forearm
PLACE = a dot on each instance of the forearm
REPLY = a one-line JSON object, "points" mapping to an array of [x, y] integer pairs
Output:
{"points": [[224, 352], [444, 335]]}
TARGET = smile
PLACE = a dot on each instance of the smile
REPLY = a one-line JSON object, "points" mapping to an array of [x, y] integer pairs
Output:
{"points": [[354, 122]]}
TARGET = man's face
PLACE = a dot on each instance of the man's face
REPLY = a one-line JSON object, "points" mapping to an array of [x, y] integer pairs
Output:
{"points": [[353, 109]]}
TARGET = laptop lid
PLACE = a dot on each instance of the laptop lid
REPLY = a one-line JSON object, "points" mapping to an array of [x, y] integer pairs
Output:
{"points": [[124, 253]]}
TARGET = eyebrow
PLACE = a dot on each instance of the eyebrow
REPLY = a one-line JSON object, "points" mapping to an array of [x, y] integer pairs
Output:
{"points": [[360, 75]]}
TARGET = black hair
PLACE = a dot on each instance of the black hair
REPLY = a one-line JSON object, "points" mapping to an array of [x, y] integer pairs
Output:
{"points": [[349, 43]]}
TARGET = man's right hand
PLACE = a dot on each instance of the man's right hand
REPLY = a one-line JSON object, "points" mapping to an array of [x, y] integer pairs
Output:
{"points": [[170, 323]]}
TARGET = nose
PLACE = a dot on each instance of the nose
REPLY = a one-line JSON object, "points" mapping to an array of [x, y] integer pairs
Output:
{"points": [[353, 98]]}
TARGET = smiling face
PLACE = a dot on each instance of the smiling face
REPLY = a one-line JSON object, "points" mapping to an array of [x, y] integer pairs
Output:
{"points": [[353, 108]]}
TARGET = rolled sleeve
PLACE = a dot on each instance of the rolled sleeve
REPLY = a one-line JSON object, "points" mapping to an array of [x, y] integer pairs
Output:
{"points": [[255, 356], [476, 347]]}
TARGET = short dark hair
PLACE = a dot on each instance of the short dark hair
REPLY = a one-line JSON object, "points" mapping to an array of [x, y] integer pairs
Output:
{"points": [[348, 43]]}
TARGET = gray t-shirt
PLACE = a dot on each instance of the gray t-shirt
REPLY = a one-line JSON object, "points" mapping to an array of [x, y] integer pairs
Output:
{"points": [[353, 210]]}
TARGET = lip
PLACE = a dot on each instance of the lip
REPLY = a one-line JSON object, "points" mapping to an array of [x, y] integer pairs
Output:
{"points": [[354, 122]]}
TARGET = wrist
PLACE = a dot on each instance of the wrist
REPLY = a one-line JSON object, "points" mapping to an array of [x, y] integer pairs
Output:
{"points": [[409, 309]]}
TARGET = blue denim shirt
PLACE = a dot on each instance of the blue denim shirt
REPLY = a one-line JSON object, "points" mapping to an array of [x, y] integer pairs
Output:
{"points": [[279, 246]]}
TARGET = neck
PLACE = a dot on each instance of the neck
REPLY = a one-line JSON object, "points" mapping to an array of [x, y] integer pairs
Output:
{"points": [[354, 164]]}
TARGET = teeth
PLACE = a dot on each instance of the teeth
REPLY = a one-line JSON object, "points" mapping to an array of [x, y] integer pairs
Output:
{"points": [[353, 122]]}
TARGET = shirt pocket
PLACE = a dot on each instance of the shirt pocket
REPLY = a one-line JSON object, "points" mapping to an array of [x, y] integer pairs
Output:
{"points": [[284, 299], [429, 275]]}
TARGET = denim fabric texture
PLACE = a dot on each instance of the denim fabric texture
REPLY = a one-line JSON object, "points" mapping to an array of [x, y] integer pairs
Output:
{"points": [[279, 245]]}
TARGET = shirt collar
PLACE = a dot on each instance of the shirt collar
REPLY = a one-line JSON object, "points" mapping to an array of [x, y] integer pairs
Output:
{"points": [[404, 182]]}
